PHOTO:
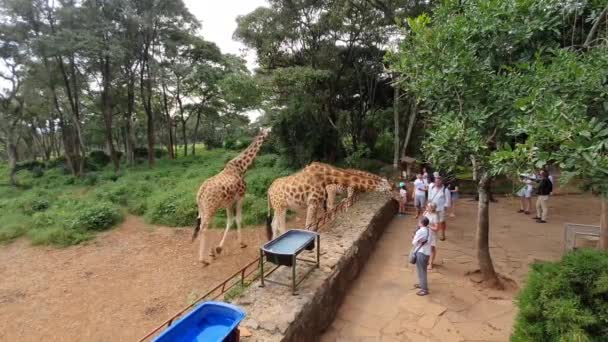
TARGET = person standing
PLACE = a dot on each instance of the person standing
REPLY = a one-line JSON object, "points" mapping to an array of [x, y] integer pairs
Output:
{"points": [[423, 252], [402, 198], [525, 194], [431, 214], [454, 195], [440, 195], [545, 188], [420, 189]]}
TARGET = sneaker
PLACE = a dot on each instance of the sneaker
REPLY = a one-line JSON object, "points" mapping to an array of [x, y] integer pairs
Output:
{"points": [[527, 212], [520, 211], [541, 221], [536, 218]]}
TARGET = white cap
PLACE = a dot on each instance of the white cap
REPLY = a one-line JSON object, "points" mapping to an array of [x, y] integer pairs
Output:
{"points": [[435, 174]]}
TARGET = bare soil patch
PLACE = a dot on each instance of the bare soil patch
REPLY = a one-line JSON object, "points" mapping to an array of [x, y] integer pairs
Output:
{"points": [[114, 288]]}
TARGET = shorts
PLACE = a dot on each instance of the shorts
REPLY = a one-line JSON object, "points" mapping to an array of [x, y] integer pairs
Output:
{"points": [[528, 193], [433, 239], [440, 216], [419, 201], [455, 195]]}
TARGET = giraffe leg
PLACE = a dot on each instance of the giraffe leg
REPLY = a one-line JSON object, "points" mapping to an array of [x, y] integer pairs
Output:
{"points": [[239, 217], [331, 199], [202, 256], [281, 217], [311, 216], [229, 219]]}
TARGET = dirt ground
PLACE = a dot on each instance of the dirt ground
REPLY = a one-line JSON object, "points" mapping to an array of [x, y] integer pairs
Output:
{"points": [[128, 280], [382, 304], [115, 288]]}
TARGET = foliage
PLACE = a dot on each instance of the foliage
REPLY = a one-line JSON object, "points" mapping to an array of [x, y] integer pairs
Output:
{"points": [[62, 210], [97, 216], [566, 300]]}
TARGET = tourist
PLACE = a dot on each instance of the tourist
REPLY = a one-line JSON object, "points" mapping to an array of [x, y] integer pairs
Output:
{"points": [[420, 189], [431, 215], [545, 188], [402, 198], [525, 196], [454, 195], [440, 195], [425, 176], [423, 252]]}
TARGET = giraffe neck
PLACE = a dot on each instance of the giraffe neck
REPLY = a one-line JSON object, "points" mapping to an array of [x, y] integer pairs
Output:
{"points": [[327, 174], [243, 161]]}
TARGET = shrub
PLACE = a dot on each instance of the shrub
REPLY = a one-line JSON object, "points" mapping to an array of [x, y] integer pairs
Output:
{"points": [[259, 182], [40, 204], [95, 216], [37, 172], [142, 152], [99, 158], [90, 179], [29, 165], [565, 301], [175, 209], [13, 226], [59, 236], [266, 160]]}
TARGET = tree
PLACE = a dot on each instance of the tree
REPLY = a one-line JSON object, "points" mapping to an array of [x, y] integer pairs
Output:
{"points": [[455, 63]]}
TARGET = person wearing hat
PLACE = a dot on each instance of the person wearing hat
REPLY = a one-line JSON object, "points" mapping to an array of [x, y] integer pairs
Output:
{"points": [[402, 198]]}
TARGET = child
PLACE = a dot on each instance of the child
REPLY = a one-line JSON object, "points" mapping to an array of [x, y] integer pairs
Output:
{"points": [[525, 193], [402, 198], [423, 252]]}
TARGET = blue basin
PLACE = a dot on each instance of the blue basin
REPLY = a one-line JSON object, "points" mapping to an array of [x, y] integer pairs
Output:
{"points": [[209, 322]]}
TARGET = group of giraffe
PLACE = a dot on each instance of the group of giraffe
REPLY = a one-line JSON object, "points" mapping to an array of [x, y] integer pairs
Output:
{"points": [[312, 187]]}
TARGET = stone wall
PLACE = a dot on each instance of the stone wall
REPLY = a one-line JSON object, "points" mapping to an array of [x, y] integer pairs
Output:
{"points": [[274, 314]]}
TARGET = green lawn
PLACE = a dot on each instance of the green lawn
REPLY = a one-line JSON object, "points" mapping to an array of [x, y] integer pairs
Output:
{"points": [[58, 209]]}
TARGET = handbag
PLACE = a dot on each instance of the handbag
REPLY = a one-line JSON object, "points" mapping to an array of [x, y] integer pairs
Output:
{"points": [[415, 249]]}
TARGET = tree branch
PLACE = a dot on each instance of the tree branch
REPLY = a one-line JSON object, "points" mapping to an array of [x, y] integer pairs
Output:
{"points": [[596, 25]]}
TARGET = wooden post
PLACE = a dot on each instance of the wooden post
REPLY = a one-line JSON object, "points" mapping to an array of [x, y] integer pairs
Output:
{"points": [[604, 224]]}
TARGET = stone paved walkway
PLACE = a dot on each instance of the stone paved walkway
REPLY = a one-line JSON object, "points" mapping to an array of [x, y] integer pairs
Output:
{"points": [[382, 304]]}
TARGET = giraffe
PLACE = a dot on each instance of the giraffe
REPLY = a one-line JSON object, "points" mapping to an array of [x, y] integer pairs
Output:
{"points": [[225, 190], [334, 189], [306, 188]]}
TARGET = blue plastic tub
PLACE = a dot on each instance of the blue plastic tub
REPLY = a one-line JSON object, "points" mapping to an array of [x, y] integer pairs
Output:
{"points": [[209, 322]]}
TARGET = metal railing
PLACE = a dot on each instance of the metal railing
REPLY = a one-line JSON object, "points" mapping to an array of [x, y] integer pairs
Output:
{"points": [[248, 274]]}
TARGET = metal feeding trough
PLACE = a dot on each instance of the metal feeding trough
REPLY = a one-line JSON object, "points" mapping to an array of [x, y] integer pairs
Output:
{"points": [[284, 250]]}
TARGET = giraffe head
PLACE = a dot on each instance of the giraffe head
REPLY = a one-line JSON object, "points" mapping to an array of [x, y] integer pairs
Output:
{"points": [[384, 186]]}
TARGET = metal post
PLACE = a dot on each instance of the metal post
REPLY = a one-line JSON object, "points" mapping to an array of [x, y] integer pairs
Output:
{"points": [[318, 250], [261, 268], [293, 274]]}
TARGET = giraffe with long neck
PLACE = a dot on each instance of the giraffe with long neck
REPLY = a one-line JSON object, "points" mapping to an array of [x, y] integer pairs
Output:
{"points": [[225, 190], [306, 189], [332, 190]]}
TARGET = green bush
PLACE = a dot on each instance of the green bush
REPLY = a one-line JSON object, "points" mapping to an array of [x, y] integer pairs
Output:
{"points": [[99, 158], [37, 172], [174, 209], [566, 300], [266, 160], [58, 236], [95, 216]]}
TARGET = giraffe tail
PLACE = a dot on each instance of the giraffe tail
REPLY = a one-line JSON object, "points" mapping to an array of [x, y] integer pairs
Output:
{"points": [[197, 227], [268, 220]]}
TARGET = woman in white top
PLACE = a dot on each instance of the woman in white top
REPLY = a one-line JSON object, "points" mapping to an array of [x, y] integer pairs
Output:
{"points": [[431, 214], [423, 252]]}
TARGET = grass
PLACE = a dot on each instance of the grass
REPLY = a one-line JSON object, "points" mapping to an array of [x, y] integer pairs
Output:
{"points": [[58, 209]]}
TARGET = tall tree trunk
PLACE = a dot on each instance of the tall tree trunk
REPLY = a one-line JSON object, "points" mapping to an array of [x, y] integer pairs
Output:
{"points": [[106, 105], [396, 133], [195, 133], [130, 137], [184, 137], [483, 232], [11, 151], [604, 224], [170, 146], [145, 86], [410, 127]]}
